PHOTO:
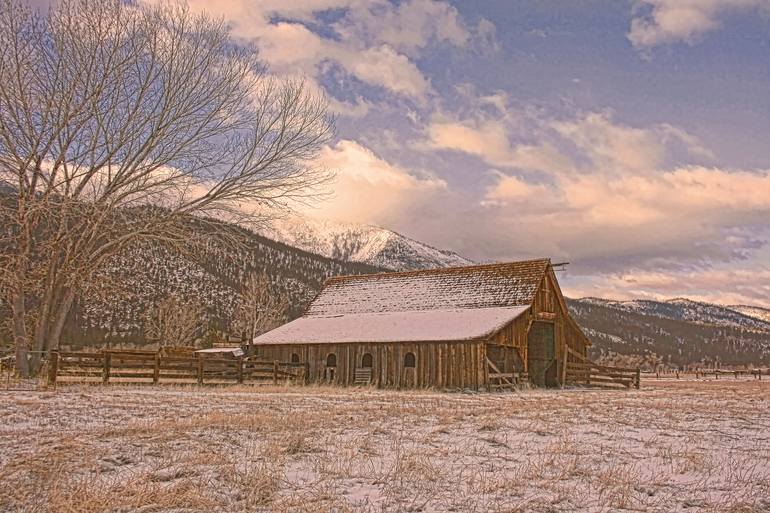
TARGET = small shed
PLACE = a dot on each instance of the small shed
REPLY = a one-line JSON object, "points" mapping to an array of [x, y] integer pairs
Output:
{"points": [[463, 327], [220, 352]]}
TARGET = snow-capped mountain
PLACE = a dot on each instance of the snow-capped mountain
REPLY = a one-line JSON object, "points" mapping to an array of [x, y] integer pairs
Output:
{"points": [[361, 243]]}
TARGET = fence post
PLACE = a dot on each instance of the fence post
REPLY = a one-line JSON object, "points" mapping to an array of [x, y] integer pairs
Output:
{"points": [[200, 370], [53, 369], [106, 368], [275, 372], [638, 378], [240, 369], [306, 372], [156, 370], [564, 368]]}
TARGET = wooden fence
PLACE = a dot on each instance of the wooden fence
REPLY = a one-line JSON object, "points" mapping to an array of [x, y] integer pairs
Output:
{"points": [[707, 373], [589, 373], [579, 370], [148, 367]]}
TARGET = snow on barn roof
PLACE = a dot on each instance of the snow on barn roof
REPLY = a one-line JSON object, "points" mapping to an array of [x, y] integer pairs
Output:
{"points": [[414, 326], [458, 303], [477, 286]]}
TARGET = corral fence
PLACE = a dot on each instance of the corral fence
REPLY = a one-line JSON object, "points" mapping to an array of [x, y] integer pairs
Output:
{"points": [[149, 367], [708, 373], [579, 370]]}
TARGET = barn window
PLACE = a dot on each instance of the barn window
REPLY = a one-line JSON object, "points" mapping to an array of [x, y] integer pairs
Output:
{"points": [[410, 361], [294, 358], [366, 361], [331, 360]]}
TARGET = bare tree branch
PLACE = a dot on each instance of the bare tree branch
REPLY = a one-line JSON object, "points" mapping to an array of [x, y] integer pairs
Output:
{"points": [[261, 308], [175, 323], [118, 122]]}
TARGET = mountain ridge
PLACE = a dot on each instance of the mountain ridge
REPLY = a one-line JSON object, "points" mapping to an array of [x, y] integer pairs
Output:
{"points": [[676, 332]]}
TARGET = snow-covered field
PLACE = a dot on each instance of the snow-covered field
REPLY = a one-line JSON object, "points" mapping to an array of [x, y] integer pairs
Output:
{"points": [[671, 446]]}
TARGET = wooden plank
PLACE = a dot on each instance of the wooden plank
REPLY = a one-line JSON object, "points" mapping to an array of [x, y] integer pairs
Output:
{"points": [[97, 375], [564, 364], [65, 354], [86, 365], [132, 357]]}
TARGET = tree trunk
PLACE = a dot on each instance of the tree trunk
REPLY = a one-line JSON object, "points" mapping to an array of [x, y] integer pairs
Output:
{"points": [[20, 334], [42, 324], [61, 317]]}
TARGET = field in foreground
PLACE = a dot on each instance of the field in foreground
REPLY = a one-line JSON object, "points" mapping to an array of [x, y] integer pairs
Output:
{"points": [[672, 446]]}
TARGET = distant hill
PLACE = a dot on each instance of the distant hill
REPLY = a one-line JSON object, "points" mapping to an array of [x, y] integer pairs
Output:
{"points": [[678, 332], [756, 312]]}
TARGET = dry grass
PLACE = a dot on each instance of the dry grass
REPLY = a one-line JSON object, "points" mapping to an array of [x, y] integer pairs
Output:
{"points": [[672, 446]]}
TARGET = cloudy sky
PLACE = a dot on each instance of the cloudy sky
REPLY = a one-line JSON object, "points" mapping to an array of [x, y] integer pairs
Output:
{"points": [[630, 138]]}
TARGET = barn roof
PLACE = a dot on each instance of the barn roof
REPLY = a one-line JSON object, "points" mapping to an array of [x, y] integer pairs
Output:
{"points": [[477, 286], [459, 303], [414, 326]]}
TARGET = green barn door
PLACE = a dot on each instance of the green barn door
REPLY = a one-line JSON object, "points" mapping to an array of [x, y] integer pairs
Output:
{"points": [[541, 353]]}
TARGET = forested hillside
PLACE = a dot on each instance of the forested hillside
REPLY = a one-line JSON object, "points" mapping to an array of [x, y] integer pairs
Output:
{"points": [[213, 273], [677, 332]]}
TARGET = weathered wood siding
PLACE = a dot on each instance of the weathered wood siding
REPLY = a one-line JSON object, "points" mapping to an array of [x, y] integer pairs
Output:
{"points": [[437, 364], [548, 306]]}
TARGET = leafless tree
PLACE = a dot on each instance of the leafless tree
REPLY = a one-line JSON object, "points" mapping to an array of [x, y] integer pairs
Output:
{"points": [[262, 307], [175, 322], [119, 121]]}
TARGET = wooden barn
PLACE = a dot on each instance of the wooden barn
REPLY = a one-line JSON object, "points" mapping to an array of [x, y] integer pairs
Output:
{"points": [[475, 327]]}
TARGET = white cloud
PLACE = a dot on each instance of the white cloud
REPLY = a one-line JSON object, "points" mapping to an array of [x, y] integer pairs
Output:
{"points": [[383, 66], [602, 144], [489, 140], [509, 189], [600, 193], [670, 21], [407, 27], [733, 286], [369, 189], [613, 147], [374, 41]]}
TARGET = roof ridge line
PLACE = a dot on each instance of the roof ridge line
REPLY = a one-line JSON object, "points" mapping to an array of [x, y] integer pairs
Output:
{"points": [[455, 309]]}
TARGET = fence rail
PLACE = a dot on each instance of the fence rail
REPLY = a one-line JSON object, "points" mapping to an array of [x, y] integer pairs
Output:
{"points": [[155, 368], [706, 373], [589, 373]]}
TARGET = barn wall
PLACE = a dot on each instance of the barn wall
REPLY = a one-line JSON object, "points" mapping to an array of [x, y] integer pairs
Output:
{"points": [[437, 364], [549, 306]]}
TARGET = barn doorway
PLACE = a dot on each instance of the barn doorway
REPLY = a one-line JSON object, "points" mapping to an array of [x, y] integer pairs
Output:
{"points": [[363, 374], [331, 368], [541, 354]]}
